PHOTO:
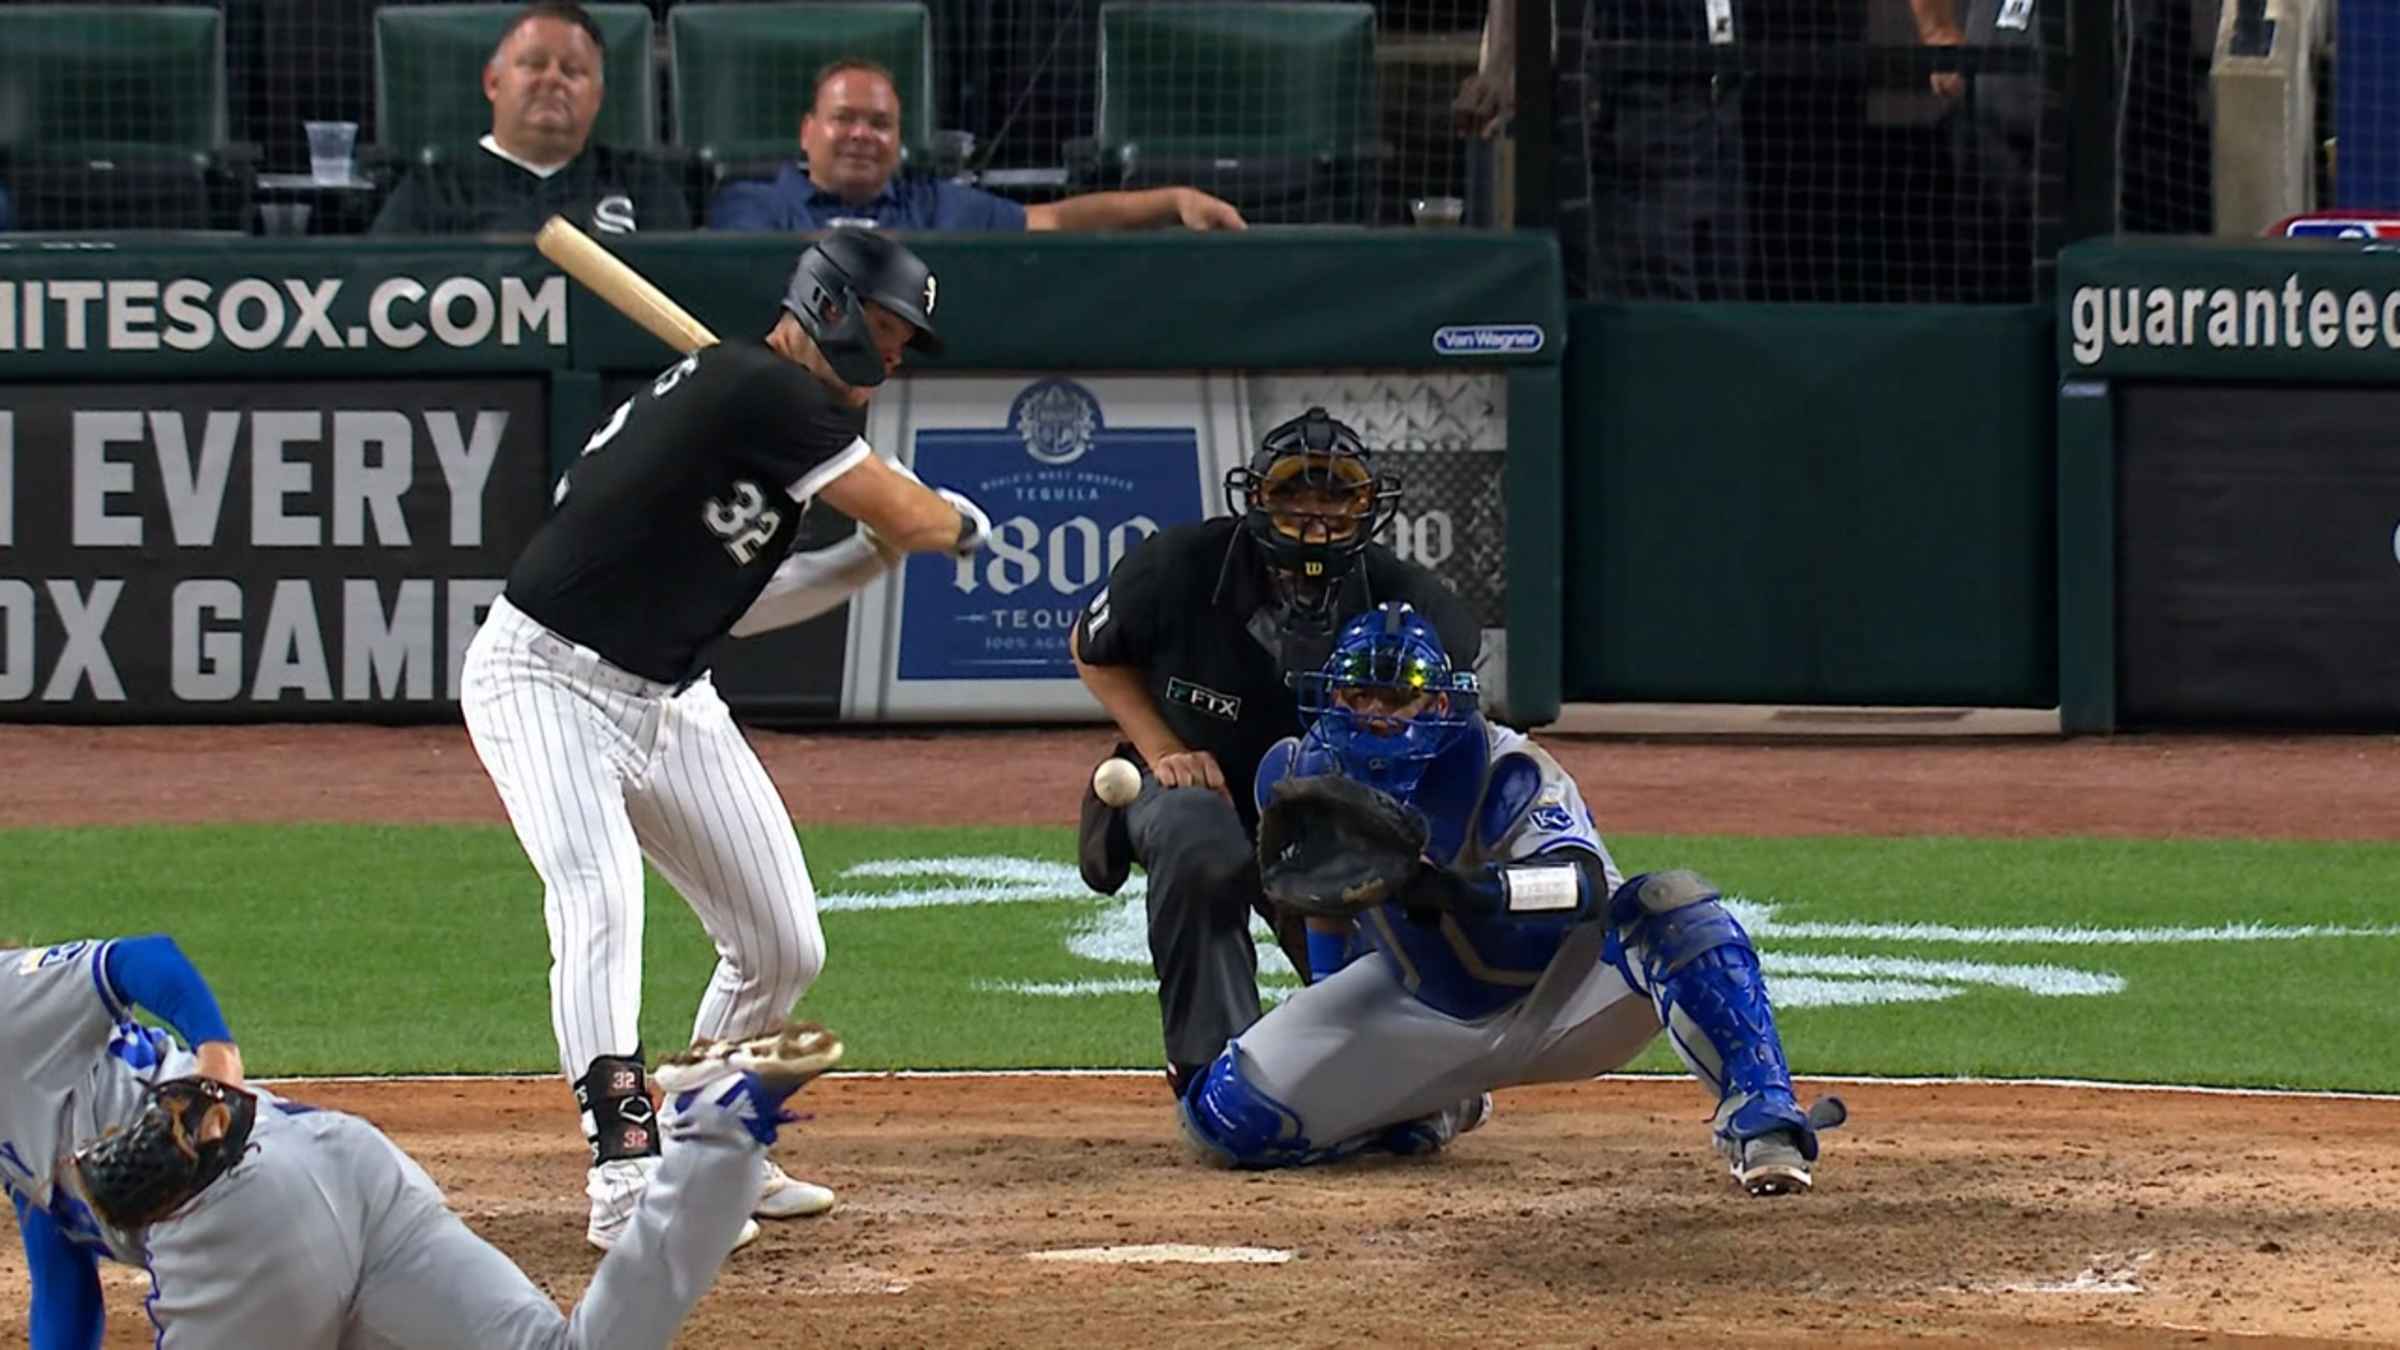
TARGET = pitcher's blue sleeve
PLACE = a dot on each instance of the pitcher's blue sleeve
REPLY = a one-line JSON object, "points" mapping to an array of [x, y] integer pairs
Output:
{"points": [[152, 972], [67, 1313]]}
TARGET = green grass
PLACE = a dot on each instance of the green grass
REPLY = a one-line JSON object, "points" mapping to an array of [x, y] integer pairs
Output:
{"points": [[421, 949]]}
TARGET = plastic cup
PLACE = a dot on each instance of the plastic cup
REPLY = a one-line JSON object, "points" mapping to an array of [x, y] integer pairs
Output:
{"points": [[329, 147], [283, 218]]}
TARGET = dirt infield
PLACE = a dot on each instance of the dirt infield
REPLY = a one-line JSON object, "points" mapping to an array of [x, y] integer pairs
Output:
{"points": [[1591, 1214]]}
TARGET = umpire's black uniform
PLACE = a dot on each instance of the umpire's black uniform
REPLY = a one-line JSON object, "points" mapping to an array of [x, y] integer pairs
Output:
{"points": [[1195, 610]]}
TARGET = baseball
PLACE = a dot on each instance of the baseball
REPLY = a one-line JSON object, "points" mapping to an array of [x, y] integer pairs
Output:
{"points": [[1117, 782]]}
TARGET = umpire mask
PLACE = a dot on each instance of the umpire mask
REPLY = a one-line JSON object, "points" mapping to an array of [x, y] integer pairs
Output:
{"points": [[1311, 498]]}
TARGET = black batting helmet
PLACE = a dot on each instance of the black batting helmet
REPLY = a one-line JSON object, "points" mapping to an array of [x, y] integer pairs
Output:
{"points": [[1311, 498], [837, 276]]}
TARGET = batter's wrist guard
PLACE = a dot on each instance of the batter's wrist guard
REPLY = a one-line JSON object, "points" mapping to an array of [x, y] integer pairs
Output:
{"points": [[974, 527]]}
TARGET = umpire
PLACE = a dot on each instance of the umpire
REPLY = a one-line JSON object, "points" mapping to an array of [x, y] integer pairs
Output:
{"points": [[1191, 647]]}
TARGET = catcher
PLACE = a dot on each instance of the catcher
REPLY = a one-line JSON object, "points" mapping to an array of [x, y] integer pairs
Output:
{"points": [[261, 1221], [1468, 931]]}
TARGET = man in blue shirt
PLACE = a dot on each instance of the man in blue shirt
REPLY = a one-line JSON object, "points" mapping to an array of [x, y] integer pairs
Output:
{"points": [[851, 134]]}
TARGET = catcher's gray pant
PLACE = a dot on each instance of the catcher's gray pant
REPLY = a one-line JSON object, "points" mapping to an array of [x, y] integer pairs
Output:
{"points": [[1202, 877], [600, 768], [1356, 1053], [328, 1237]]}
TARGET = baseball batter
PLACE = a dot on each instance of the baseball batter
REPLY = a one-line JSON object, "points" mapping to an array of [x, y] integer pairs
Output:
{"points": [[308, 1229], [587, 694], [1515, 954]]}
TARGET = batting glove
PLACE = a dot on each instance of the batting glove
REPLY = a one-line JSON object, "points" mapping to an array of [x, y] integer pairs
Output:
{"points": [[974, 527]]}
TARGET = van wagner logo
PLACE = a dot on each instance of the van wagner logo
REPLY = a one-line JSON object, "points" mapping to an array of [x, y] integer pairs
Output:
{"points": [[1487, 339], [1056, 419]]}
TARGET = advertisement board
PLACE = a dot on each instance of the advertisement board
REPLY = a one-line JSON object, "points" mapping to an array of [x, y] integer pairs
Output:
{"points": [[274, 551], [1074, 471], [2259, 556], [1077, 470]]}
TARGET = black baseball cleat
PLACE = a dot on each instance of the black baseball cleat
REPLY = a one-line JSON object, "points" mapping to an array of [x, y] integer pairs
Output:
{"points": [[1181, 1076]]}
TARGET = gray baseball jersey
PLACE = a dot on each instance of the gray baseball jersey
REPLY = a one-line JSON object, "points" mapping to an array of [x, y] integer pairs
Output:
{"points": [[81, 1062], [326, 1236]]}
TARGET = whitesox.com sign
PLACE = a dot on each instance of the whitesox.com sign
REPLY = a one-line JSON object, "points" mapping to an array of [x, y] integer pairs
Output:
{"points": [[189, 314], [212, 549]]}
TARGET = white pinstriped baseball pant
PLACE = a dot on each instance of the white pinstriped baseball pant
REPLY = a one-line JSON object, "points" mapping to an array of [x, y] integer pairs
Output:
{"points": [[599, 769]]}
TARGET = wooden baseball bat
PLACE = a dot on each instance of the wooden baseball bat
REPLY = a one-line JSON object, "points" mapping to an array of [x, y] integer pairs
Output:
{"points": [[606, 275]]}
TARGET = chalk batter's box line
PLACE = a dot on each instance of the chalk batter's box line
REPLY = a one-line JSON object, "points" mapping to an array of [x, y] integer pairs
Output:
{"points": [[2092, 1084]]}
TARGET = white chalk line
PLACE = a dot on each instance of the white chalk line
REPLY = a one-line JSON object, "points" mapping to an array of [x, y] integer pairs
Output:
{"points": [[1857, 1080], [1184, 1253]]}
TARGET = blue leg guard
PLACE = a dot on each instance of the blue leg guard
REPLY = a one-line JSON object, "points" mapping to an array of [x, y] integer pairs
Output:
{"points": [[1233, 1124], [1722, 993], [1236, 1125], [1697, 961]]}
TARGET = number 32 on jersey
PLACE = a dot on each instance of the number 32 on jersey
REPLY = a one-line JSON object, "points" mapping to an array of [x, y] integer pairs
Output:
{"points": [[745, 524]]}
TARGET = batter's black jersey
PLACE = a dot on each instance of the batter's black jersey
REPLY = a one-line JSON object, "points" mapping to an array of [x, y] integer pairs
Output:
{"points": [[473, 191], [1215, 661], [683, 504]]}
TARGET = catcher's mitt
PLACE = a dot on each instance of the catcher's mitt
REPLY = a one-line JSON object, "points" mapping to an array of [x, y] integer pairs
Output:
{"points": [[190, 1133], [1333, 847]]}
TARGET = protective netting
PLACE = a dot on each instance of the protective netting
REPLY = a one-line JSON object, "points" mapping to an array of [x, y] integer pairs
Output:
{"points": [[165, 116], [2163, 115], [1800, 150], [1815, 150], [1875, 150]]}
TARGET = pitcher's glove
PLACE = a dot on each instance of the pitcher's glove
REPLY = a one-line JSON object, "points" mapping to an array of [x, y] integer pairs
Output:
{"points": [[1332, 847], [191, 1132]]}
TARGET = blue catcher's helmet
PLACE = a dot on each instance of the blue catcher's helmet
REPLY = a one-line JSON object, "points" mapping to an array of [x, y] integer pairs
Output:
{"points": [[1387, 703]]}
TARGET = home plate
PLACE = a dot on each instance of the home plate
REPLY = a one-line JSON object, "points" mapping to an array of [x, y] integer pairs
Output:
{"points": [[1150, 1252]]}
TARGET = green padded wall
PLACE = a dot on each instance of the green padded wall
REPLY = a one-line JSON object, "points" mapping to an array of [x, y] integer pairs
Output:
{"points": [[1801, 504]]}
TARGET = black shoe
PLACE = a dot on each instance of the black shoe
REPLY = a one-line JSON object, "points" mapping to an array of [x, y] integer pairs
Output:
{"points": [[1180, 1077], [1103, 842]]}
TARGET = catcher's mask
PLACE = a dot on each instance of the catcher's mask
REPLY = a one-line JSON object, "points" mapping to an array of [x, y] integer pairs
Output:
{"points": [[1311, 498], [838, 277], [1386, 704]]}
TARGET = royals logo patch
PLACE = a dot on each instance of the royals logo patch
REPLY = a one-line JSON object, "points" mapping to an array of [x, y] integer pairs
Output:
{"points": [[50, 956]]}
